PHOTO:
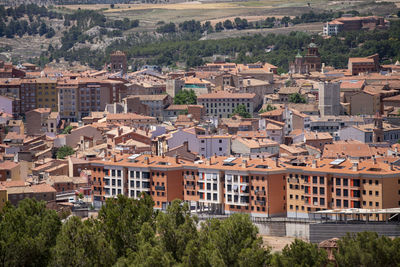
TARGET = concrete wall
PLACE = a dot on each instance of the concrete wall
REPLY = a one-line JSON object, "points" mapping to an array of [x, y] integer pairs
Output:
{"points": [[320, 232]]}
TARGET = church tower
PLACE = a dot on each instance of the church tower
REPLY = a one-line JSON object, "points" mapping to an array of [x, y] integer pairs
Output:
{"points": [[377, 132]]}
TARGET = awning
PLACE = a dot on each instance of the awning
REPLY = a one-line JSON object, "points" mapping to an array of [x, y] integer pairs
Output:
{"points": [[229, 178], [235, 187], [244, 188]]}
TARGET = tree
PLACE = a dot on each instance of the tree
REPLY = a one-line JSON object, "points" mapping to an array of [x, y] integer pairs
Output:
{"points": [[176, 229], [67, 130], [42, 29], [219, 27], [228, 24], [367, 249], [297, 98], [268, 108], [241, 110], [300, 253], [27, 233], [121, 220], [82, 244], [232, 242], [64, 152], [185, 97]]}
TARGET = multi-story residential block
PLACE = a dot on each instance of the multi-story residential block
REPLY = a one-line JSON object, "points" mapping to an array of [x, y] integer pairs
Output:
{"points": [[46, 93], [359, 65], [36, 121], [161, 177], [341, 184], [28, 95], [222, 104], [156, 104], [67, 99]]}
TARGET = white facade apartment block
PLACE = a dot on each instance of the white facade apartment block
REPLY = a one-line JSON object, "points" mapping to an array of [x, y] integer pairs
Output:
{"points": [[114, 181], [236, 189], [138, 181], [210, 187]]}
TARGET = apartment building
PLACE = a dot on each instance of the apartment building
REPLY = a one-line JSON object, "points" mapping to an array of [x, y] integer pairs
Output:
{"points": [[28, 95], [156, 104], [161, 177], [46, 93], [36, 121], [341, 184], [222, 104], [67, 99]]}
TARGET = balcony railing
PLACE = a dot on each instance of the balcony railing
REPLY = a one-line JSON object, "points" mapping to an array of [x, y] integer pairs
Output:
{"points": [[189, 186], [159, 187], [190, 177]]}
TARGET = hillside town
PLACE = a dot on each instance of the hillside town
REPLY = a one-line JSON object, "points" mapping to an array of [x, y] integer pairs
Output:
{"points": [[255, 142]]}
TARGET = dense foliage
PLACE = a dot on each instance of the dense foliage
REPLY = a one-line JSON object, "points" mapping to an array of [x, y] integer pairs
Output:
{"points": [[185, 97], [64, 152], [129, 232], [181, 47], [297, 98], [241, 110]]}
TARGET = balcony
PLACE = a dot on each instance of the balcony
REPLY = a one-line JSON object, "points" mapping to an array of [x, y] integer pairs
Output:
{"points": [[159, 187], [190, 177], [190, 187], [260, 192], [260, 202]]}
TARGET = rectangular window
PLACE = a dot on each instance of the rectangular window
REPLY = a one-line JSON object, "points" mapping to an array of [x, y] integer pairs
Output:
{"points": [[345, 182], [321, 180], [337, 181]]}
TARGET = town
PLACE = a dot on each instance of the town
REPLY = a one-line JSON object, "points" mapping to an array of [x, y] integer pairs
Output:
{"points": [[316, 144]]}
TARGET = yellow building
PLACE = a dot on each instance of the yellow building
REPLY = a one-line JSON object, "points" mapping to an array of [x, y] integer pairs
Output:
{"points": [[3, 197], [46, 95]]}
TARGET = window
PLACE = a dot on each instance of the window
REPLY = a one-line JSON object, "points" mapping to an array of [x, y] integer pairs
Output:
{"points": [[338, 203], [345, 182], [376, 182], [315, 190], [322, 201], [337, 181], [321, 180], [315, 179], [322, 191], [338, 193], [345, 192], [345, 203], [376, 193], [370, 181]]}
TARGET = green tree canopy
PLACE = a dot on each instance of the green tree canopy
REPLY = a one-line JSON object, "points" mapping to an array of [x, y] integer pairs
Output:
{"points": [[121, 220], [64, 152], [297, 98], [241, 110], [27, 233], [300, 253], [82, 244], [185, 97], [367, 249]]}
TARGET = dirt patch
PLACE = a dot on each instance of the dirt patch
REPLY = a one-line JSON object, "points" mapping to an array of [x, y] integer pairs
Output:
{"points": [[277, 243]]}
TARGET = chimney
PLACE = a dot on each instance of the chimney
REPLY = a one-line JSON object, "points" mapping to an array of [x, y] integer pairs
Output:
{"points": [[244, 163], [120, 131], [391, 166], [208, 161], [215, 155], [186, 146], [277, 162], [314, 164], [114, 158], [374, 159], [176, 159], [355, 166], [146, 160]]}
